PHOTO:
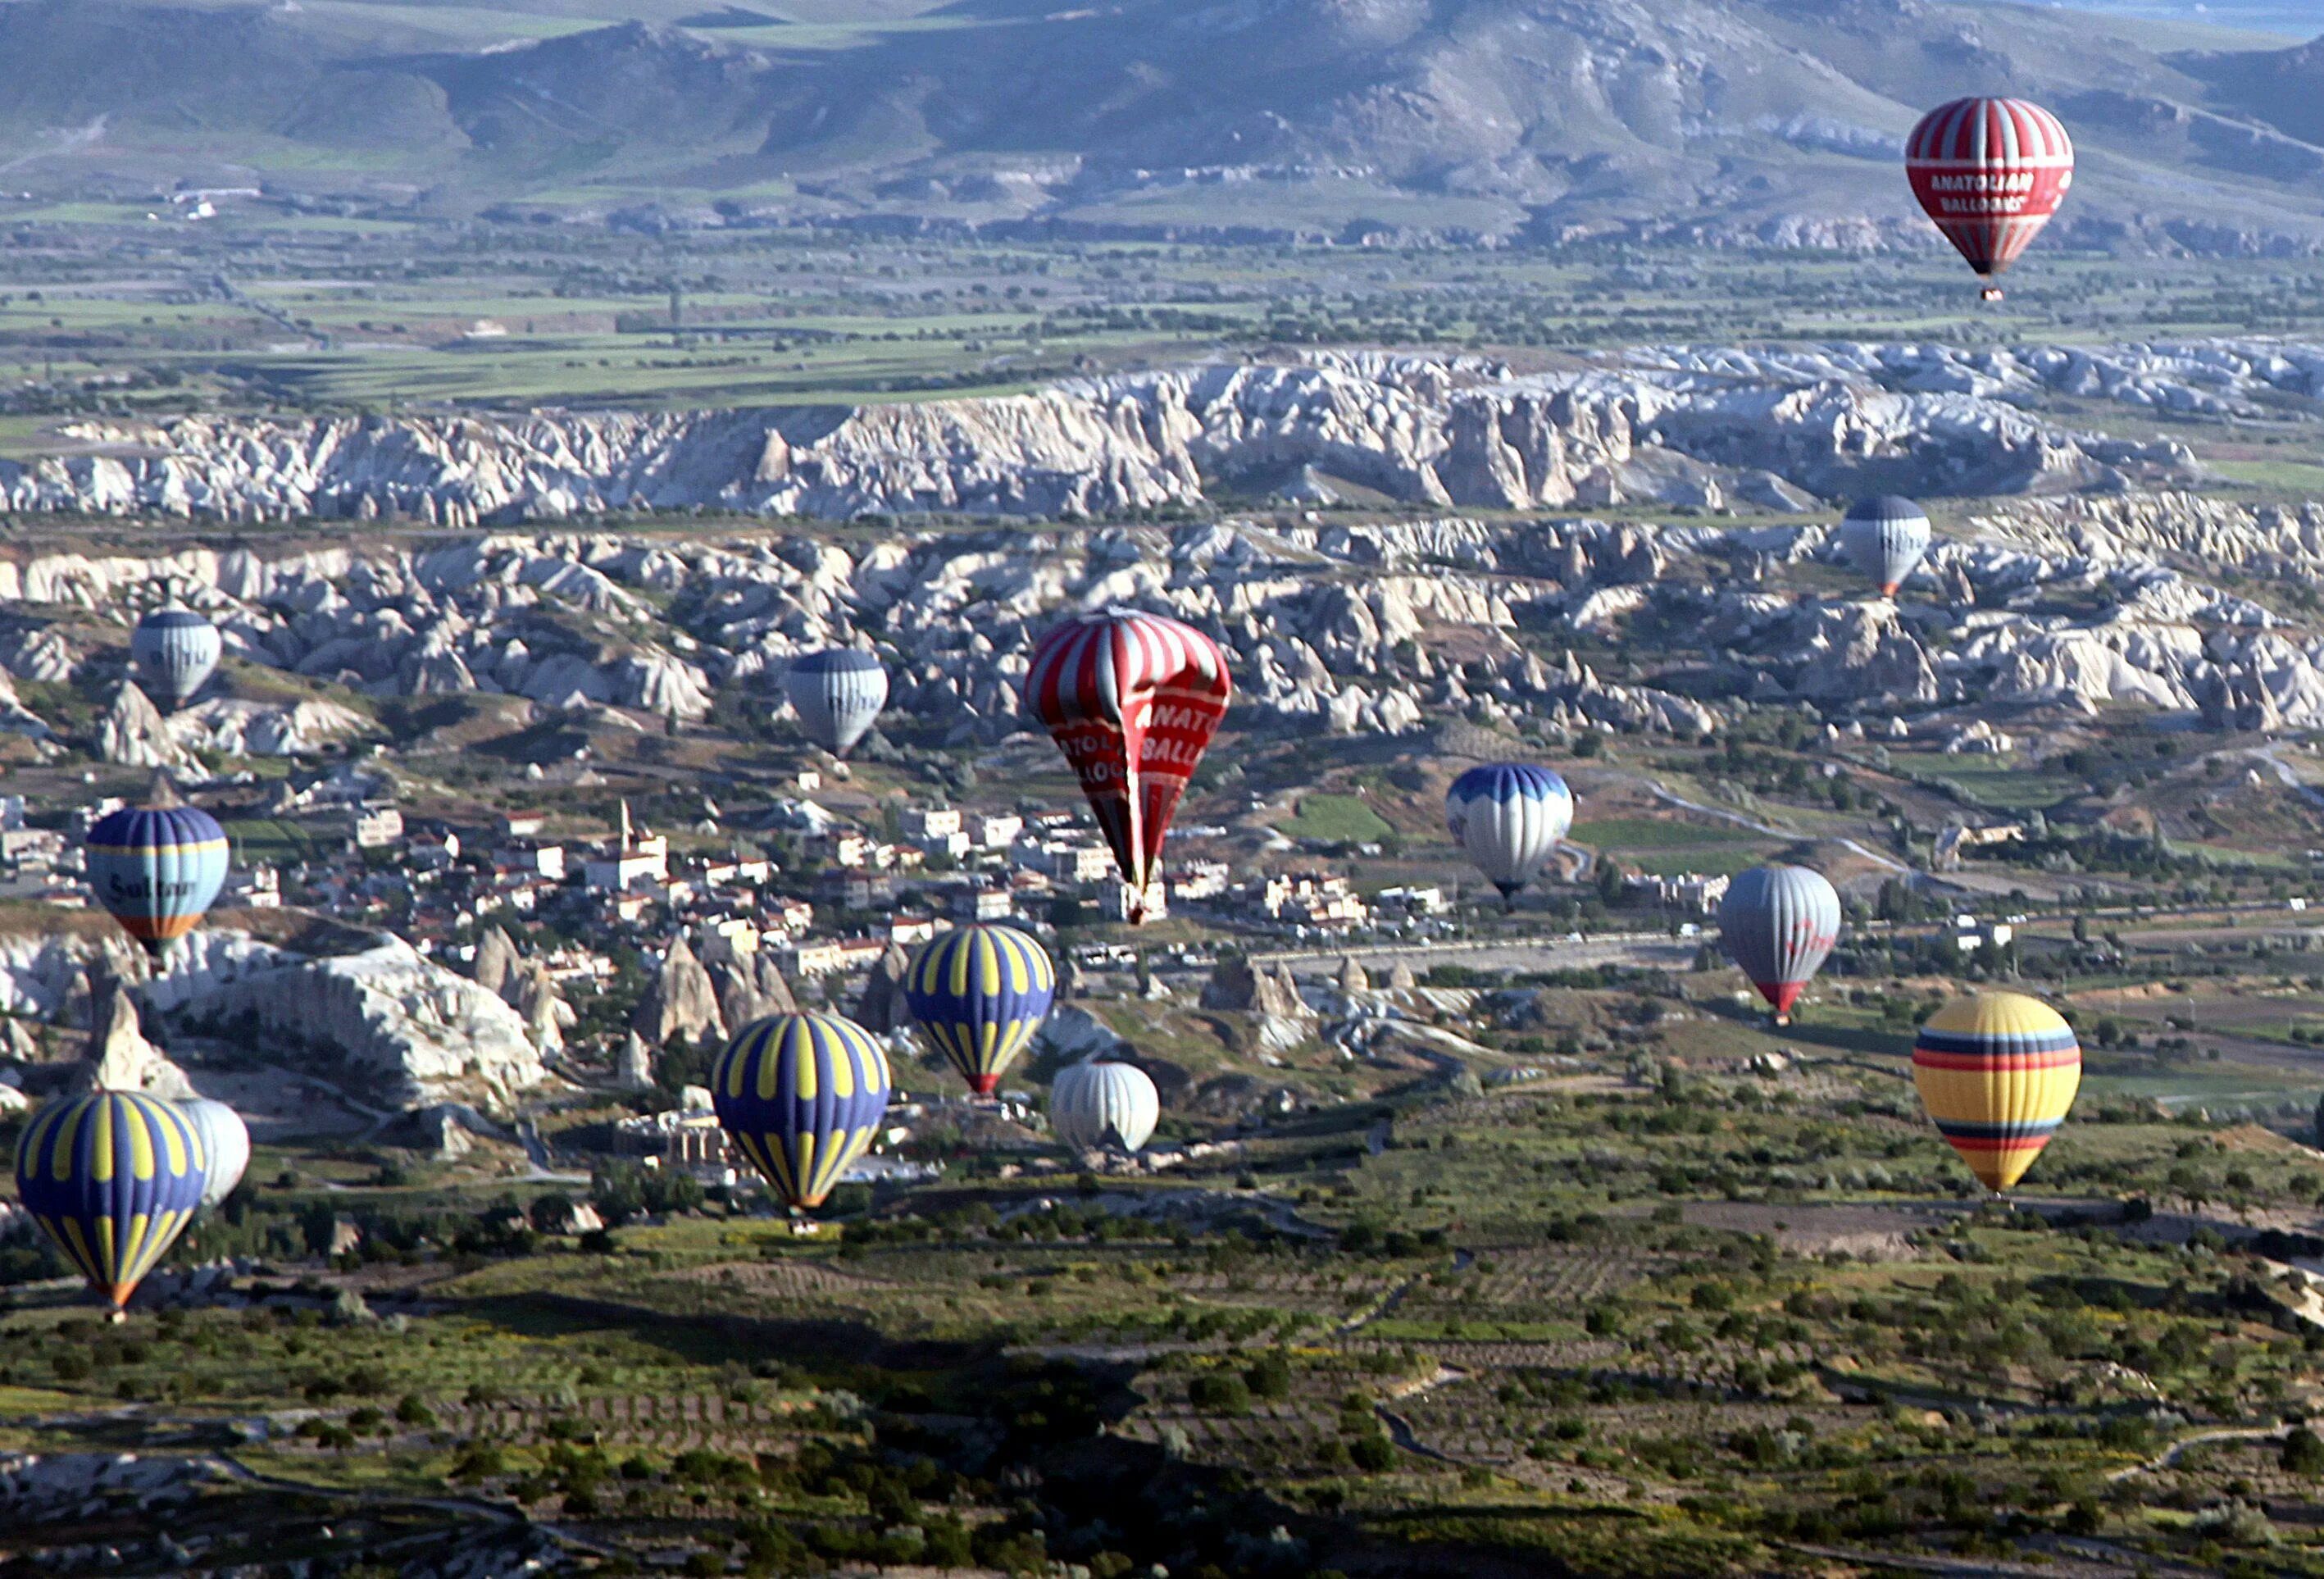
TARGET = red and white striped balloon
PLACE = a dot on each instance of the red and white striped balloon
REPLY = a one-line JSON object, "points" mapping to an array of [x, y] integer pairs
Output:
{"points": [[1132, 699], [1991, 171]]}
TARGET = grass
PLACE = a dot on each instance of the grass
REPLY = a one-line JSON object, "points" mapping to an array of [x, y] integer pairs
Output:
{"points": [[1336, 818], [1669, 848], [1992, 781]]}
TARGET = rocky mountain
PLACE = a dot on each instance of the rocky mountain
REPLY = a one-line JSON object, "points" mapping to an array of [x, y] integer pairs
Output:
{"points": [[1700, 428], [1776, 120], [2073, 600]]}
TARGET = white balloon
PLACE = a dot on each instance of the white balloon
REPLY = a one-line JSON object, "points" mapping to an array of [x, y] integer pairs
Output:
{"points": [[225, 1146], [1104, 1104]]}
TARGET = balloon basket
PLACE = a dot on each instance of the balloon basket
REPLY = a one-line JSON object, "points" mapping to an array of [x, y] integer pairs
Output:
{"points": [[1990, 293], [1781, 1020], [115, 1316]]}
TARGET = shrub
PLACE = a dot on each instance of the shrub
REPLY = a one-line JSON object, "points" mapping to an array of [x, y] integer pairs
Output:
{"points": [[2303, 1451], [1270, 1377], [1372, 1452], [1219, 1395]]}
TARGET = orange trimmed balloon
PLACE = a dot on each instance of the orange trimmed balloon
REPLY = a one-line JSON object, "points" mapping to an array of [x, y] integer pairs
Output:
{"points": [[1997, 1072]]}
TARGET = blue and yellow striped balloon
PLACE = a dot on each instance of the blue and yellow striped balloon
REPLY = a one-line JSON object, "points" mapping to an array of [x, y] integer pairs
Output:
{"points": [[1997, 1072], [801, 1096], [980, 994], [113, 1178], [157, 869]]}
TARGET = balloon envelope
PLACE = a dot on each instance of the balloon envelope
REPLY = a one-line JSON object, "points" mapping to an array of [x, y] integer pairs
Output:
{"points": [[1885, 539], [1132, 699], [157, 869], [1508, 817], [1778, 923], [837, 693], [1998, 1073], [978, 993], [112, 1177], [225, 1146], [1991, 172], [801, 1096], [174, 650], [1103, 1103]]}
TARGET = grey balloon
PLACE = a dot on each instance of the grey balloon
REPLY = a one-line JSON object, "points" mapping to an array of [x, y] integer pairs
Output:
{"points": [[837, 693], [225, 1146], [174, 650], [1778, 924], [1885, 539], [1104, 1104]]}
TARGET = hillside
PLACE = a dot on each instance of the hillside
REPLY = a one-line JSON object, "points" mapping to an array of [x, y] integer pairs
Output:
{"points": [[1712, 119]]}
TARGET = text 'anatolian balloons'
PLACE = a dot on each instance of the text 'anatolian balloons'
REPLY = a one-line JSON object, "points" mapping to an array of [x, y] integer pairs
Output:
{"points": [[1991, 171], [1132, 699]]}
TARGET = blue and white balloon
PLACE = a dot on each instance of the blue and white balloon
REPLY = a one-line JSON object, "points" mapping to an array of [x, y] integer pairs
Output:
{"points": [[837, 693], [174, 650], [1509, 819]]}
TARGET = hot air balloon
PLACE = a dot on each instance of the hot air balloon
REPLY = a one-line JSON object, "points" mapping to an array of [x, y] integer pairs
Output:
{"points": [[112, 1177], [978, 993], [157, 869], [174, 650], [837, 693], [1991, 171], [1997, 1072], [1508, 817], [1885, 537], [225, 1146], [801, 1096], [1104, 1104], [1131, 699], [1778, 923]]}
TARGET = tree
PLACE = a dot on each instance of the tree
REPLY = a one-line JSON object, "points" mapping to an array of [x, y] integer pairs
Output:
{"points": [[2303, 1453]]}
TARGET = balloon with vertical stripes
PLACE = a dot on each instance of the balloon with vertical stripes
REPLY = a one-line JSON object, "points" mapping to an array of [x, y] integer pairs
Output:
{"points": [[174, 650], [980, 994], [112, 1177], [801, 1096], [1989, 173], [1997, 1072], [1132, 700]]}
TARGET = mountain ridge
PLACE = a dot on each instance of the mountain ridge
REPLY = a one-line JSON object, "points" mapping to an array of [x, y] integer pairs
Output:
{"points": [[1699, 120]]}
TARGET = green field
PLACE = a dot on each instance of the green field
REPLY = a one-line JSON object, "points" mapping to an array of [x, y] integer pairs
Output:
{"points": [[1340, 818]]}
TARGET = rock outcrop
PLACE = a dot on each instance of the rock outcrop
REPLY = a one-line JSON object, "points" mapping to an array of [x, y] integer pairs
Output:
{"points": [[134, 734], [680, 1001], [1677, 428], [408, 1031], [881, 1007], [634, 1067], [119, 1057]]}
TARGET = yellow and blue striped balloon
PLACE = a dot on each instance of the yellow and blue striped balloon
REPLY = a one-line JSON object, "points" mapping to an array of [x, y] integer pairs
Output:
{"points": [[980, 993], [1997, 1072], [113, 1178], [801, 1096], [157, 869]]}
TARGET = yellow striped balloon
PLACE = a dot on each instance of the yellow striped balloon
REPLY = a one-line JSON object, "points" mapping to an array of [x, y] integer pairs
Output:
{"points": [[801, 1096], [1997, 1072], [980, 993], [113, 1178]]}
